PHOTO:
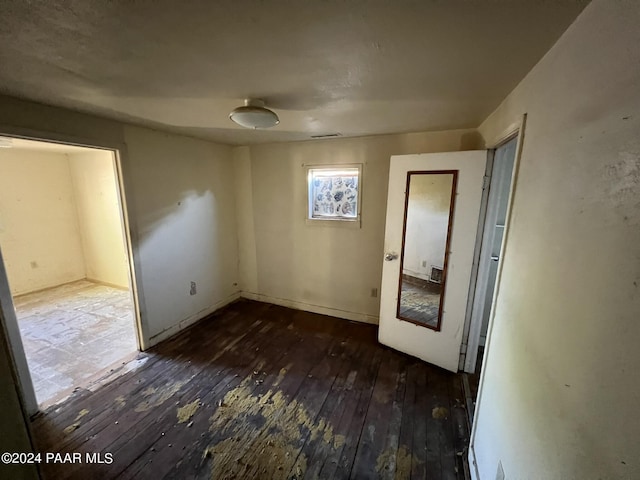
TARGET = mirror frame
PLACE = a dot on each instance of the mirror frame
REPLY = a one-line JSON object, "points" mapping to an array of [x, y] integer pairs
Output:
{"points": [[445, 264]]}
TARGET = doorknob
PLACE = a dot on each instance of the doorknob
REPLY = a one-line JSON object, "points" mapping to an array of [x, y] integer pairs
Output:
{"points": [[389, 256]]}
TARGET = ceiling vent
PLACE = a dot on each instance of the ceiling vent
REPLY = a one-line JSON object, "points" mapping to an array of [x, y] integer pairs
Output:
{"points": [[327, 135]]}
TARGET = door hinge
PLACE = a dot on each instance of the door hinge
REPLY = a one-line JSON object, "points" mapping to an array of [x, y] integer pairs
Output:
{"points": [[486, 181]]}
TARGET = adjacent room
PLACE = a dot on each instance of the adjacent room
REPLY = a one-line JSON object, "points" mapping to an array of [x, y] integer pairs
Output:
{"points": [[63, 246], [392, 240]]}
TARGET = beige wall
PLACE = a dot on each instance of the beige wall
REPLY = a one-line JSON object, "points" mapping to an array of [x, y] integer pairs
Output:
{"points": [[326, 269], [99, 220], [560, 393], [39, 232], [60, 219], [248, 266]]}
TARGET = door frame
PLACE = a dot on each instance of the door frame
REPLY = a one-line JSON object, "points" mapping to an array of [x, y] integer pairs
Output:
{"points": [[127, 217], [515, 130], [473, 323]]}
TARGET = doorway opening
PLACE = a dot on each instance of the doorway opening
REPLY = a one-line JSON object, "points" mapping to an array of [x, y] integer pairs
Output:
{"points": [[498, 188], [65, 254]]}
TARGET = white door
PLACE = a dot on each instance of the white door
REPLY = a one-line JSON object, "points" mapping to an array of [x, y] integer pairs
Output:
{"points": [[435, 187]]}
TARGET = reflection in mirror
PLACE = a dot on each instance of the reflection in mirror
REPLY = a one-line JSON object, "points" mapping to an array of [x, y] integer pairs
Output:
{"points": [[425, 246]]}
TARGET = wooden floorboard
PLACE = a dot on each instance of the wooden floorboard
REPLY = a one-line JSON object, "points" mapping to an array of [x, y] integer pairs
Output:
{"points": [[262, 391]]}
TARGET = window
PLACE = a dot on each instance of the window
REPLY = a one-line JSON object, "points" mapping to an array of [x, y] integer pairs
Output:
{"points": [[334, 193]]}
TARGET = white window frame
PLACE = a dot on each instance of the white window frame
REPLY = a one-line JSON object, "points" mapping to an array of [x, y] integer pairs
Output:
{"points": [[335, 221]]}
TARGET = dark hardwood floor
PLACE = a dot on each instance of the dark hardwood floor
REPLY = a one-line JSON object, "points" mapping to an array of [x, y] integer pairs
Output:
{"points": [[261, 391]]}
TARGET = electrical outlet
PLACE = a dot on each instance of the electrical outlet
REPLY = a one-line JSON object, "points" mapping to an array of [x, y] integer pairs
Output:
{"points": [[193, 290], [374, 292], [424, 263]]}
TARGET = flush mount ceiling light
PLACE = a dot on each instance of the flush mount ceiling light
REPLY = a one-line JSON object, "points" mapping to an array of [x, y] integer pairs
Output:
{"points": [[254, 115]]}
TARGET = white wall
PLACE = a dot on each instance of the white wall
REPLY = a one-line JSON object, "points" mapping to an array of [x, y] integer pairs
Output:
{"points": [[184, 209], [96, 199], [39, 233], [427, 224], [326, 269], [561, 390]]}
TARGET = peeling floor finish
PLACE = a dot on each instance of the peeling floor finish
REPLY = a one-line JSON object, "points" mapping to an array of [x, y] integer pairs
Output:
{"points": [[258, 391], [72, 333], [419, 304]]}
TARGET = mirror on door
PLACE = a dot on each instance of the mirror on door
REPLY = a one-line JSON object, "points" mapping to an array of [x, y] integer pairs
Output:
{"points": [[428, 215]]}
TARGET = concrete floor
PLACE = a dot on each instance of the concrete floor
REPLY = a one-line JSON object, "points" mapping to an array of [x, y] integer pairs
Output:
{"points": [[72, 333]]}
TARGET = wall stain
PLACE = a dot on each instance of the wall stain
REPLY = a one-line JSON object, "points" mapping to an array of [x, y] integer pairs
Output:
{"points": [[623, 183]]}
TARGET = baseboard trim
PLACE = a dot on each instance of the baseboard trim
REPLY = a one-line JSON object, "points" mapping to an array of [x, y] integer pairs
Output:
{"points": [[42, 289], [308, 307], [187, 322], [108, 284]]}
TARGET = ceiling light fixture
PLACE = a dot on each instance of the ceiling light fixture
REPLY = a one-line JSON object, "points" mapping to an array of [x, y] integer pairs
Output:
{"points": [[254, 115]]}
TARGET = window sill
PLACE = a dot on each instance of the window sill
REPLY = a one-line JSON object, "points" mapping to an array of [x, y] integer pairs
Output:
{"points": [[341, 223]]}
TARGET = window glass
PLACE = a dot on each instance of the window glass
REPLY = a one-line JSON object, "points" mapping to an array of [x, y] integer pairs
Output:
{"points": [[333, 193]]}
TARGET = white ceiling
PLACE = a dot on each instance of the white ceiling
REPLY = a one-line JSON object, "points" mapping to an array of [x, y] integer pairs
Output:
{"points": [[356, 67]]}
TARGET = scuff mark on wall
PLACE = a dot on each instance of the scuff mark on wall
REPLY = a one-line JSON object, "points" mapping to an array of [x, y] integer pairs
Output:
{"points": [[623, 183]]}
